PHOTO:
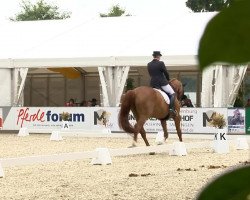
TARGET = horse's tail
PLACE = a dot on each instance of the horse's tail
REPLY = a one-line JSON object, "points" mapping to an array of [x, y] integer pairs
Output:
{"points": [[127, 101]]}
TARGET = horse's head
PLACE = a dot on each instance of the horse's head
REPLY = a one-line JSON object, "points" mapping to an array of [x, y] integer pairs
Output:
{"points": [[178, 88]]}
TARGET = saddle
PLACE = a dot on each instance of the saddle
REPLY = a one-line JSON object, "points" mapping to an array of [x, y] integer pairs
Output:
{"points": [[164, 95], [167, 100]]}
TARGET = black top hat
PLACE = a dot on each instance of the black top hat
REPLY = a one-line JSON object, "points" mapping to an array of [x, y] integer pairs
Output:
{"points": [[156, 53]]}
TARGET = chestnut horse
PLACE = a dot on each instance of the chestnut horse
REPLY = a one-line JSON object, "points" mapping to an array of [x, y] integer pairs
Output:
{"points": [[145, 103]]}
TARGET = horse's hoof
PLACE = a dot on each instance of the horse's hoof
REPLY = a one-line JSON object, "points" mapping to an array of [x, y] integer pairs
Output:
{"points": [[132, 146], [152, 153]]}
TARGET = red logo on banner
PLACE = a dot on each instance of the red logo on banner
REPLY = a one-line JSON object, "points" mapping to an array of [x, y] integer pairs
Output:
{"points": [[25, 116]]}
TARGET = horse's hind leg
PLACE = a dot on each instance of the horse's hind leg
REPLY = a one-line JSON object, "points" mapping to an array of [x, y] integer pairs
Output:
{"points": [[138, 128], [135, 140], [136, 132], [164, 127], [143, 135]]}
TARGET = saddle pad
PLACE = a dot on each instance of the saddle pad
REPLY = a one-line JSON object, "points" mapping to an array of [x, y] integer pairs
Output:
{"points": [[164, 95]]}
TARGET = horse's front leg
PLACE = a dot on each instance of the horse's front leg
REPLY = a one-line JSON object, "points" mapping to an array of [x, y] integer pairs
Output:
{"points": [[164, 127], [177, 121]]}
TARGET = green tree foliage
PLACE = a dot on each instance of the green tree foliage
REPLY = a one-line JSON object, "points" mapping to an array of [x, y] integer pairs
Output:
{"points": [[115, 11], [130, 84], [39, 11], [207, 5], [226, 38], [233, 185], [239, 101]]}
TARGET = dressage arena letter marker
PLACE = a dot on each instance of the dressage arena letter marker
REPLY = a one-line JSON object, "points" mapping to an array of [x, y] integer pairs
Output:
{"points": [[220, 143], [65, 125], [215, 136], [222, 136]]}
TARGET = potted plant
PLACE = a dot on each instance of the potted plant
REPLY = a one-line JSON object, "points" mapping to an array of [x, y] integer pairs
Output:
{"points": [[218, 121], [220, 144], [65, 116], [65, 119]]}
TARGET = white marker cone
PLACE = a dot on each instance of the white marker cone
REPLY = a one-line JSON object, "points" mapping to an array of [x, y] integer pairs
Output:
{"points": [[160, 138], [241, 144], [220, 143], [221, 146], [23, 132], [178, 149], [106, 131], [56, 136], [103, 157], [1, 171]]}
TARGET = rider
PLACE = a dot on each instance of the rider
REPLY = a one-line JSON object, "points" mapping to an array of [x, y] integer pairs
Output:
{"points": [[160, 77]]}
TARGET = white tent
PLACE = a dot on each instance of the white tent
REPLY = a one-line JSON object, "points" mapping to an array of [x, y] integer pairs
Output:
{"points": [[111, 44], [117, 41], [221, 85]]}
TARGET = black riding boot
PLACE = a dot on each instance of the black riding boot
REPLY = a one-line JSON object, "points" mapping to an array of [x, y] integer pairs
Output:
{"points": [[171, 105]]}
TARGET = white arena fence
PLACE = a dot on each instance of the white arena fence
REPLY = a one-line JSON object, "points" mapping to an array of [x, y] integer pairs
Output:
{"points": [[90, 120], [57, 158]]}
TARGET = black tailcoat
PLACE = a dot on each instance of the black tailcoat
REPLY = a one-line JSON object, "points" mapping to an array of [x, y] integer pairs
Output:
{"points": [[158, 73]]}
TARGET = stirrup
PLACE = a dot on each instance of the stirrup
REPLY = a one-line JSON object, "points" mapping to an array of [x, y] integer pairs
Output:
{"points": [[173, 111]]}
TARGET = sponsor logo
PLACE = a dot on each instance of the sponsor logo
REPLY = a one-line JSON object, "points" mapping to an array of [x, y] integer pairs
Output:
{"points": [[187, 118], [73, 117], [102, 117], [207, 117], [25, 115]]}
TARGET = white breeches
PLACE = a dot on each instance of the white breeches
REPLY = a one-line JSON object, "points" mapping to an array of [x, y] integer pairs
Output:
{"points": [[168, 89]]}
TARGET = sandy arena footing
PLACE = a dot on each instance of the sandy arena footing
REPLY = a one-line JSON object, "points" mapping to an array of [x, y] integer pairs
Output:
{"points": [[140, 177]]}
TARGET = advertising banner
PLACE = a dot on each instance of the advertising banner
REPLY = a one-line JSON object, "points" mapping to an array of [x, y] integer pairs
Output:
{"points": [[247, 120], [236, 120], [46, 118], [189, 118], [194, 120]]}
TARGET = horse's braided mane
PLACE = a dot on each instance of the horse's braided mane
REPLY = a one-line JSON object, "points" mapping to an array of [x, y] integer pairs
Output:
{"points": [[179, 91], [172, 79]]}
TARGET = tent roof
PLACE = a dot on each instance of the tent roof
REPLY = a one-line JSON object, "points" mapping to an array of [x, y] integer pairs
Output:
{"points": [[116, 41]]}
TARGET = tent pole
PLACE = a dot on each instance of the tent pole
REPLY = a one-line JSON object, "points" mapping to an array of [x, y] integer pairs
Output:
{"points": [[19, 78], [112, 80], [105, 97], [123, 75]]}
